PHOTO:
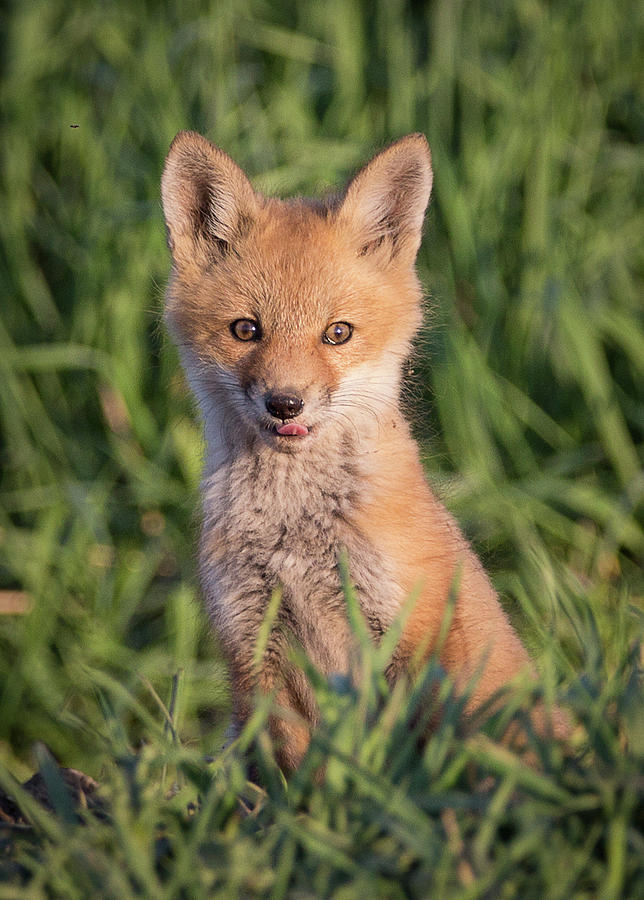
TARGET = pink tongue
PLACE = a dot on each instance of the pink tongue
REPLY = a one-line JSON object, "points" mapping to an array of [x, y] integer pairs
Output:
{"points": [[292, 428]]}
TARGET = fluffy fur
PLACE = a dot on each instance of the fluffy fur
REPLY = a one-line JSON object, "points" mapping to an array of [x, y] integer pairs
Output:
{"points": [[279, 509]]}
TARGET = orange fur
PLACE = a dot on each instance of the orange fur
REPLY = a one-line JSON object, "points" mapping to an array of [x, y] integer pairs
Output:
{"points": [[280, 505]]}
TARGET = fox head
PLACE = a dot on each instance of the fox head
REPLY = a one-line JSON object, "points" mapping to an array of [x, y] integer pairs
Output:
{"points": [[293, 317]]}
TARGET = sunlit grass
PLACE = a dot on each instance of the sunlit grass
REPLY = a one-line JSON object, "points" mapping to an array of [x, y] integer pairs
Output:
{"points": [[527, 401]]}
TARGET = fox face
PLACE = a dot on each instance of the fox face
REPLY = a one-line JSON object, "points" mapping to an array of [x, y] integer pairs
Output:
{"points": [[293, 317]]}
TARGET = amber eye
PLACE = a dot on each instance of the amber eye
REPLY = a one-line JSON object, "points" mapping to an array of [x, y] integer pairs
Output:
{"points": [[246, 330], [337, 333]]}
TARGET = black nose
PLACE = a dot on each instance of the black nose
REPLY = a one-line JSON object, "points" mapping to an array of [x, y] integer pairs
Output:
{"points": [[284, 406]]}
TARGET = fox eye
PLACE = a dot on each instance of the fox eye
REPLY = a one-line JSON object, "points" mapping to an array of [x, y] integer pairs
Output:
{"points": [[337, 333], [246, 330]]}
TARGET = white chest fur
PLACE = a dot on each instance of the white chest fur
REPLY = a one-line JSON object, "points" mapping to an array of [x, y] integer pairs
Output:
{"points": [[281, 520]]}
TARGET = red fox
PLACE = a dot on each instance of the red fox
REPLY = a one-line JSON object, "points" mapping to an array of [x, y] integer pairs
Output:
{"points": [[293, 319]]}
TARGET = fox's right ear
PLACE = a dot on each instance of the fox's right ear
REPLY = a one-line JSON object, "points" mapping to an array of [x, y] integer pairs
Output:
{"points": [[208, 202]]}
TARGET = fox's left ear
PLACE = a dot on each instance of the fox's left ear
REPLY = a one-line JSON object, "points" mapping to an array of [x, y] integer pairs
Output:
{"points": [[384, 205]]}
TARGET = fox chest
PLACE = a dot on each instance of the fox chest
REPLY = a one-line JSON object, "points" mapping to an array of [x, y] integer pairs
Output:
{"points": [[282, 529]]}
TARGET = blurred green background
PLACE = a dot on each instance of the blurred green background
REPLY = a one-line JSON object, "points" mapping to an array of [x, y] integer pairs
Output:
{"points": [[527, 388]]}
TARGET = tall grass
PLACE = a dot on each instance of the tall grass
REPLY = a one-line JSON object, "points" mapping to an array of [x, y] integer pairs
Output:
{"points": [[527, 401]]}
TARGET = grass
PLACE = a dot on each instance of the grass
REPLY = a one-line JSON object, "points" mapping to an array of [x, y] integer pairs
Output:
{"points": [[527, 402]]}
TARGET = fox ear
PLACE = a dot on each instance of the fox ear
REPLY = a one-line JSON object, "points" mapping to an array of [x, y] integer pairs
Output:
{"points": [[384, 205], [208, 202]]}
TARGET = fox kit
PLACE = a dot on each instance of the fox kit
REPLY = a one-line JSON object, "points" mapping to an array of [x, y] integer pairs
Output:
{"points": [[293, 319]]}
